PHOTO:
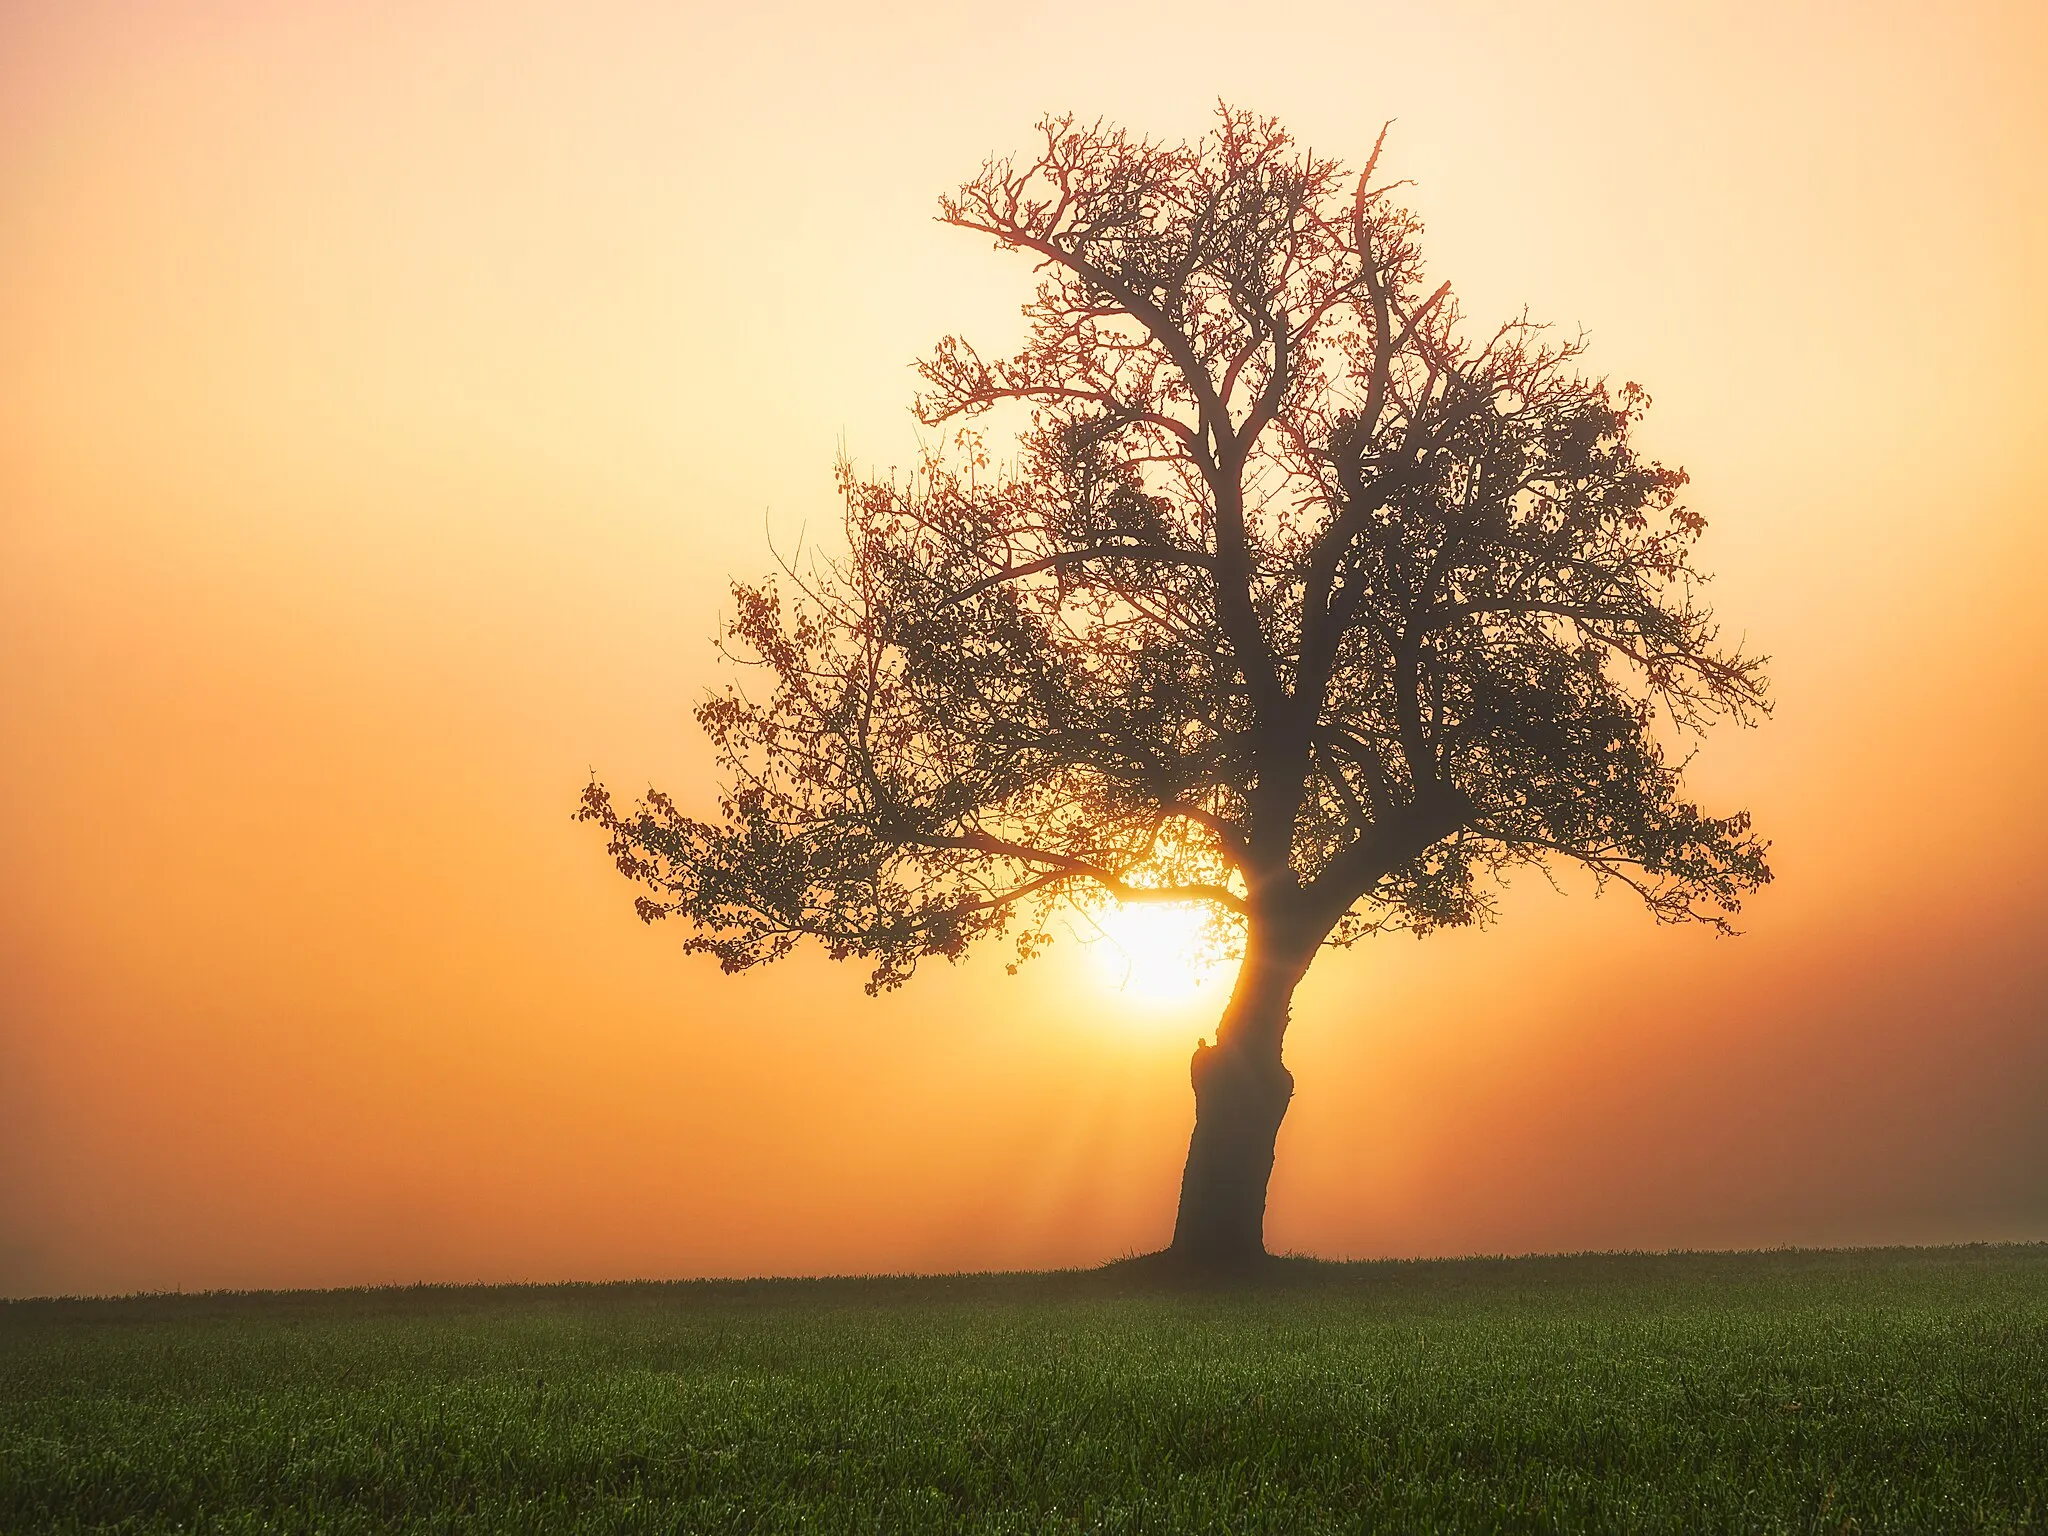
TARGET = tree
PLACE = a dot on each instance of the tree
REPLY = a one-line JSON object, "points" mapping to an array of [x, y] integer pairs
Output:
{"points": [[1294, 601]]}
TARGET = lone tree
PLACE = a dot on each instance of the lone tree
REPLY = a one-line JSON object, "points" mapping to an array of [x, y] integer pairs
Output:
{"points": [[1295, 601]]}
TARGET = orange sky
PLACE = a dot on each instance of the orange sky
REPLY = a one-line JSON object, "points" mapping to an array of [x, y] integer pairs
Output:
{"points": [[387, 391]]}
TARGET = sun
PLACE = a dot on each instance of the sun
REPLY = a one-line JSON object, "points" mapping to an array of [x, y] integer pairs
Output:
{"points": [[1154, 952]]}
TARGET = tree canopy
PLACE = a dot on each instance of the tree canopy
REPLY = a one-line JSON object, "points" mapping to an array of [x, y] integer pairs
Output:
{"points": [[1292, 595]]}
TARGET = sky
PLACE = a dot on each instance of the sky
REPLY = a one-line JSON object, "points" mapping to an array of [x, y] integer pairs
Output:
{"points": [[389, 391]]}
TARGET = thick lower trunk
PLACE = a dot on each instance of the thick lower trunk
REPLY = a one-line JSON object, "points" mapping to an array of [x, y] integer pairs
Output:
{"points": [[1241, 1094]]}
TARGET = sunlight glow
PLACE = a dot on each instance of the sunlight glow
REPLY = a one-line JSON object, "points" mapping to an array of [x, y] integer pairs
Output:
{"points": [[1155, 952]]}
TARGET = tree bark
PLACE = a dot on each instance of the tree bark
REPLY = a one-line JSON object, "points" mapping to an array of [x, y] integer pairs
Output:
{"points": [[1242, 1089]]}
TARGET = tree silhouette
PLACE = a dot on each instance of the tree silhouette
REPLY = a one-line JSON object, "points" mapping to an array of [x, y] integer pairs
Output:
{"points": [[1295, 602]]}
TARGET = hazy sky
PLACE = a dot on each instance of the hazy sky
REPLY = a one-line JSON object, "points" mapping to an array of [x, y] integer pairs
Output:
{"points": [[387, 392]]}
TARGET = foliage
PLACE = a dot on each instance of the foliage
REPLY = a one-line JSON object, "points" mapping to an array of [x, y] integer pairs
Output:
{"points": [[1294, 599]]}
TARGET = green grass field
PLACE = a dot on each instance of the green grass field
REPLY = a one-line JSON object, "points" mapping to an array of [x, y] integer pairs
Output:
{"points": [[1902, 1390]]}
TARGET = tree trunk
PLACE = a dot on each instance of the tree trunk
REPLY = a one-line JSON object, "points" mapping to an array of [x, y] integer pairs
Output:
{"points": [[1241, 1095]]}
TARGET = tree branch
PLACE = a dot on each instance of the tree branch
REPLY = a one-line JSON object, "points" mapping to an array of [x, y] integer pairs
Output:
{"points": [[1162, 553], [1066, 864]]}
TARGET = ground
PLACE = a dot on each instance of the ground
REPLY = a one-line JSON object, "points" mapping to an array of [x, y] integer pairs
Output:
{"points": [[1894, 1390]]}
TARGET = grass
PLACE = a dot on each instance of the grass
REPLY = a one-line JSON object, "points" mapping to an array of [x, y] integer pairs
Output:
{"points": [[1899, 1390]]}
